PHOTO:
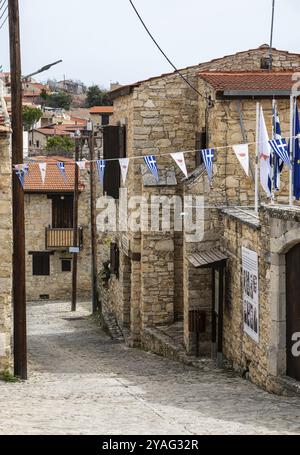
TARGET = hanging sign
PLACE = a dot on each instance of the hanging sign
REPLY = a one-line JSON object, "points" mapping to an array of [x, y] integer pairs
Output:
{"points": [[250, 293]]}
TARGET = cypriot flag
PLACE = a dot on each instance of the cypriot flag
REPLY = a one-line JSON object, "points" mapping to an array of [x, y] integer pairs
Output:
{"points": [[124, 163], [264, 152], [180, 161], [43, 167], [242, 154]]}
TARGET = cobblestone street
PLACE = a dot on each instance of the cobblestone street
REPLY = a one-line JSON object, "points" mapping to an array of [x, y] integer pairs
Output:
{"points": [[81, 382]]}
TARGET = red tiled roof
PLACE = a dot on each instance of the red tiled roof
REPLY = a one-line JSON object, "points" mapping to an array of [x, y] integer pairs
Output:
{"points": [[249, 80], [54, 182], [102, 110]]}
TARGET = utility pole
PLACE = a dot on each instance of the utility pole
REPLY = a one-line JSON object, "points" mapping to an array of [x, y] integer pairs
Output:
{"points": [[271, 37], [19, 292], [75, 226], [93, 223]]}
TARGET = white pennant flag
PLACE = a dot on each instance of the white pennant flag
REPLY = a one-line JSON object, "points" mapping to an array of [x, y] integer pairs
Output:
{"points": [[242, 154], [81, 165], [43, 167], [124, 163], [180, 161], [264, 151]]}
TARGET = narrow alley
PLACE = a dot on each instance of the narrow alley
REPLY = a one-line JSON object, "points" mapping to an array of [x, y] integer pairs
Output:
{"points": [[82, 382]]}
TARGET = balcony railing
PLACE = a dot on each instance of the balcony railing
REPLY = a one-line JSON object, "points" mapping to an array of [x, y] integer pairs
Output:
{"points": [[62, 238]]}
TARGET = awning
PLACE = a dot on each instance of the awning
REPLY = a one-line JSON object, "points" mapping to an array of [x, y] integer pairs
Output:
{"points": [[210, 258]]}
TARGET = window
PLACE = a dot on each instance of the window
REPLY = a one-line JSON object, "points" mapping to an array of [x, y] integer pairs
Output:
{"points": [[265, 63], [62, 212], [38, 144], [201, 143], [66, 265], [40, 264], [105, 119], [114, 146]]}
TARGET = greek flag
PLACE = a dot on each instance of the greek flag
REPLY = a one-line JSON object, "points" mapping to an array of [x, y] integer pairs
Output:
{"points": [[21, 176], [280, 149], [61, 167], [277, 161], [152, 165], [208, 157], [101, 169]]}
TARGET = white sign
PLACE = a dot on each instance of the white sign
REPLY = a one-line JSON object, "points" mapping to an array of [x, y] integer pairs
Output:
{"points": [[250, 293], [74, 249]]}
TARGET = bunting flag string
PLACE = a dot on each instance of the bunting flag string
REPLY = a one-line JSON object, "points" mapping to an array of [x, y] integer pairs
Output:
{"points": [[43, 167], [208, 158], [21, 176], [124, 164], [61, 167], [151, 163], [242, 154], [101, 169], [180, 161]]}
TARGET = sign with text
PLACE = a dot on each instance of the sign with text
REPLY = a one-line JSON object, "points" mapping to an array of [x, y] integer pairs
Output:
{"points": [[250, 293]]}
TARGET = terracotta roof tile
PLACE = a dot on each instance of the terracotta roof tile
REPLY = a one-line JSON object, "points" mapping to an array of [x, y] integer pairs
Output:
{"points": [[102, 110], [54, 181], [249, 80]]}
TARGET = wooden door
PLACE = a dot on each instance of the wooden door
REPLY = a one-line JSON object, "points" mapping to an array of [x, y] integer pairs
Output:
{"points": [[293, 312], [62, 212]]}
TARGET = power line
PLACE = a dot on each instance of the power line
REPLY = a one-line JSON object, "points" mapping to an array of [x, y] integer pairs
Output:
{"points": [[164, 54]]}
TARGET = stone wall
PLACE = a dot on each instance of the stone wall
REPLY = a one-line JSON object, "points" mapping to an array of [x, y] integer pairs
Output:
{"points": [[6, 250], [163, 115], [58, 285]]}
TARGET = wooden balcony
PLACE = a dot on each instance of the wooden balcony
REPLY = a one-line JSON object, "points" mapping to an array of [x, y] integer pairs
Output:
{"points": [[61, 239]]}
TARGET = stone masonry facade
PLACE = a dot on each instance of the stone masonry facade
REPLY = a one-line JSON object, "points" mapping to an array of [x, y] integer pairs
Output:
{"points": [[157, 284], [6, 242]]}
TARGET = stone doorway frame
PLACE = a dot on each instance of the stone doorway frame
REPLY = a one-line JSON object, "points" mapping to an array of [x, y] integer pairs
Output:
{"points": [[277, 359]]}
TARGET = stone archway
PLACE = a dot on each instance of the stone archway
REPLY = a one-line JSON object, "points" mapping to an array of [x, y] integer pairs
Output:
{"points": [[279, 247]]}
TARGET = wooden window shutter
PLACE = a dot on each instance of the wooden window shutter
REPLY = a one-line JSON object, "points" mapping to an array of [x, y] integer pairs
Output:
{"points": [[41, 264], [114, 146], [201, 143]]}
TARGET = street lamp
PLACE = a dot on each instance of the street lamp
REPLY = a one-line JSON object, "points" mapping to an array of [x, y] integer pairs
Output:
{"points": [[44, 68]]}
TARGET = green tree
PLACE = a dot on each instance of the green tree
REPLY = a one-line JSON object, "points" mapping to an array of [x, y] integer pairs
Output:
{"points": [[97, 97], [60, 144], [31, 115], [59, 100]]}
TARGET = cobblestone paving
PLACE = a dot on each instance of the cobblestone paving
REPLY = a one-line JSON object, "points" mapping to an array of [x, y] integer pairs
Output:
{"points": [[81, 382]]}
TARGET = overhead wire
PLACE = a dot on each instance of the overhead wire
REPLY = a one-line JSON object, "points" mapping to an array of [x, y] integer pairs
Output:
{"points": [[165, 55]]}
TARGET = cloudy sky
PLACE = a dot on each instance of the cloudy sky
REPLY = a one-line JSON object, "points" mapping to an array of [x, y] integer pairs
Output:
{"points": [[102, 41]]}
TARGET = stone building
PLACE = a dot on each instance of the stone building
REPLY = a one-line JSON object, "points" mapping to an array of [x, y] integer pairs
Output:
{"points": [[161, 278], [49, 231], [5, 238]]}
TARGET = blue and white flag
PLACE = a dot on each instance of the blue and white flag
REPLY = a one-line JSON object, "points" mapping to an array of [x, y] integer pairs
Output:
{"points": [[296, 157], [208, 158], [277, 162], [61, 167], [101, 169], [21, 176], [150, 161], [281, 151]]}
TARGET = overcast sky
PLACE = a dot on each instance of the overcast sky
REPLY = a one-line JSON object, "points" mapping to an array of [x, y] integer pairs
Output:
{"points": [[102, 41]]}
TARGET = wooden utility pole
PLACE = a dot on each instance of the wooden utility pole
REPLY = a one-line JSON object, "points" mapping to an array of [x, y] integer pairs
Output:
{"points": [[93, 224], [19, 293], [75, 226]]}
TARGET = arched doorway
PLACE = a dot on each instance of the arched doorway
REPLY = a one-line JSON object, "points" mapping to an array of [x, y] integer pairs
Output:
{"points": [[293, 312]]}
